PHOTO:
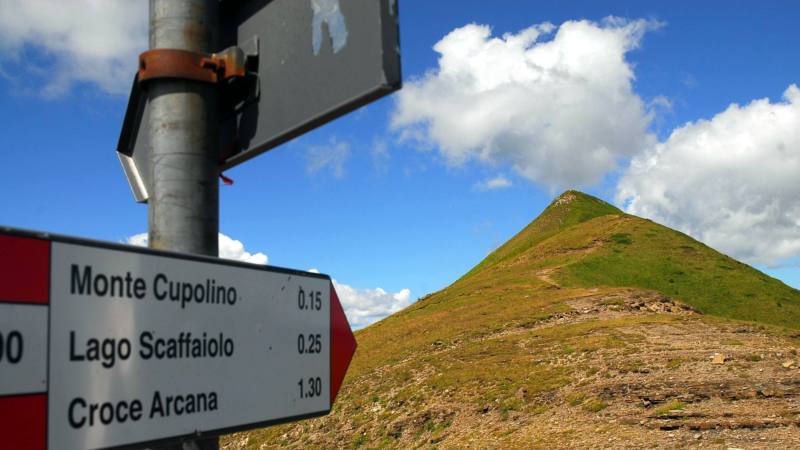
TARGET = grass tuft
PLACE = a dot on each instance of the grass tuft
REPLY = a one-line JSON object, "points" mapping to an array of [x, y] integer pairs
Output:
{"points": [[675, 405], [595, 406]]}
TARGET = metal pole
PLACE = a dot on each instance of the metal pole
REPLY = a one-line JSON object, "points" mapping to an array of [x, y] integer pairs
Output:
{"points": [[183, 212]]}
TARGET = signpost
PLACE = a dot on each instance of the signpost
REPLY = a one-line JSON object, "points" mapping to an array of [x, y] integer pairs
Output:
{"points": [[105, 345]]}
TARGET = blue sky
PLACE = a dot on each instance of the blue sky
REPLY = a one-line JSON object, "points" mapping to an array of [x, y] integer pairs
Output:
{"points": [[683, 112]]}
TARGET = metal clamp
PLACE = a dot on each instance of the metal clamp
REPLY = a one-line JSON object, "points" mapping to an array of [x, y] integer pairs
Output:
{"points": [[188, 65], [234, 70]]}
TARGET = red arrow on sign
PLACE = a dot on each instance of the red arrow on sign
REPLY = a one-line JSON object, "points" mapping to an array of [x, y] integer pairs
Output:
{"points": [[343, 344]]}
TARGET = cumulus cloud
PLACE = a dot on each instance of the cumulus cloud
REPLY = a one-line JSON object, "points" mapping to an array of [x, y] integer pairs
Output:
{"points": [[561, 111], [365, 306], [78, 41], [499, 182], [731, 181], [332, 156], [228, 248], [233, 249]]}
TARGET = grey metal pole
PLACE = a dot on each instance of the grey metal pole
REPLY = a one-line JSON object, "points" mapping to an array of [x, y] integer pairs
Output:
{"points": [[183, 212]]}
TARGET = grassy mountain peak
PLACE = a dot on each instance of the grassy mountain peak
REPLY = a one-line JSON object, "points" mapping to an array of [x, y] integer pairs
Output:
{"points": [[568, 209]]}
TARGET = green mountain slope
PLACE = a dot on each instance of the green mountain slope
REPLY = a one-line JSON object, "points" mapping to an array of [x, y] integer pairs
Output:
{"points": [[591, 243], [576, 321], [621, 250], [644, 254]]}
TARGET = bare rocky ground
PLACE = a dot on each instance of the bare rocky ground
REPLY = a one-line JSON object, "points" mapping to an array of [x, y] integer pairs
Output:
{"points": [[688, 381], [691, 384]]}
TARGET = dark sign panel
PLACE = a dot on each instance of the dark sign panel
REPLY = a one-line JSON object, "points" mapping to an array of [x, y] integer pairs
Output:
{"points": [[310, 61], [318, 60]]}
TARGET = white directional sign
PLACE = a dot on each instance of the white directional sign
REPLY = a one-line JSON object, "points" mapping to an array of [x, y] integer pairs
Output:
{"points": [[105, 345]]}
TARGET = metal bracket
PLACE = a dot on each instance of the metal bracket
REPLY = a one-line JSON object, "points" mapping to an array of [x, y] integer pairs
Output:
{"points": [[241, 89], [234, 70], [187, 65]]}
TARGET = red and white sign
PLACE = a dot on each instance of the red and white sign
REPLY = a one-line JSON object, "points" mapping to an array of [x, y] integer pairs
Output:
{"points": [[105, 345]]}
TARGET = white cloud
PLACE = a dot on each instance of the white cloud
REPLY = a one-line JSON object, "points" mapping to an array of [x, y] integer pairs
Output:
{"points": [[365, 306], [498, 182], [233, 249], [661, 102], [228, 249], [562, 112], [139, 240], [332, 156], [731, 181], [94, 41]]}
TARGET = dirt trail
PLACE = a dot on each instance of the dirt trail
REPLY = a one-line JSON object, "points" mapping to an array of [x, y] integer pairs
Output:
{"points": [[545, 275]]}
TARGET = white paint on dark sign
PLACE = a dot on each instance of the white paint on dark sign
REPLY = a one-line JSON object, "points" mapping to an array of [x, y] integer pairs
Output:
{"points": [[328, 12]]}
